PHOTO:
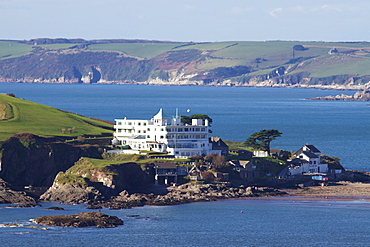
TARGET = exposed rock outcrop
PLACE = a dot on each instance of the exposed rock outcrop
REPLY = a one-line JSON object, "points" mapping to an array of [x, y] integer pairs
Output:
{"points": [[9, 196], [80, 220], [188, 193], [71, 194], [88, 183], [358, 96]]}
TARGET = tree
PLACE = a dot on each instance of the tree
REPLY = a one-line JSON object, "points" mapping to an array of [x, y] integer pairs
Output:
{"points": [[262, 139], [299, 48], [218, 161]]}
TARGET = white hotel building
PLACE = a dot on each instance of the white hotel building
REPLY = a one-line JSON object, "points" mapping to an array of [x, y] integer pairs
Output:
{"points": [[161, 135]]}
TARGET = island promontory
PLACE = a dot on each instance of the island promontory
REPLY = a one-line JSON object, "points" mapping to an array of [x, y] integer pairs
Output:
{"points": [[358, 96]]}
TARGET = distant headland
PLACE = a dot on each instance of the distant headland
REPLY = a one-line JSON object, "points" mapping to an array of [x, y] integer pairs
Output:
{"points": [[321, 65], [359, 96]]}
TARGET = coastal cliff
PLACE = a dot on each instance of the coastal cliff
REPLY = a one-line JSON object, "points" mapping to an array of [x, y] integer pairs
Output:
{"points": [[247, 64], [90, 181], [28, 159]]}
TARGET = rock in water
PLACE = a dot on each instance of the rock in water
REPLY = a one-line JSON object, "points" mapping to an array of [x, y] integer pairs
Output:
{"points": [[80, 220]]}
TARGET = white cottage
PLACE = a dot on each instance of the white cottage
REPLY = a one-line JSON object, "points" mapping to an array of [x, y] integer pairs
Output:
{"points": [[164, 135], [307, 160]]}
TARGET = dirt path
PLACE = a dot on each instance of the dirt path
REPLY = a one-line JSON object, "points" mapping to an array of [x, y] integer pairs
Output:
{"points": [[2, 111]]}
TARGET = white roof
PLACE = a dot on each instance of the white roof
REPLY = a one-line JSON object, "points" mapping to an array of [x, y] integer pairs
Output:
{"points": [[159, 115]]}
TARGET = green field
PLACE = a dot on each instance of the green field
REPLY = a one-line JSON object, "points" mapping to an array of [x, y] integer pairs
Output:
{"points": [[274, 53], [9, 49], [57, 46], [141, 50], [29, 117], [352, 59], [338, 64]]}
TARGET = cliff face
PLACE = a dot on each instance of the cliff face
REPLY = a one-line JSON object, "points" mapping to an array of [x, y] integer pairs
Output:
{"points": [[28, 159], [89, 183]]}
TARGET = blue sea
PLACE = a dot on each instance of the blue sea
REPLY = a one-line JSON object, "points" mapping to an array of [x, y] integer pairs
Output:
{"points": [[338, 129], [220, 223]]}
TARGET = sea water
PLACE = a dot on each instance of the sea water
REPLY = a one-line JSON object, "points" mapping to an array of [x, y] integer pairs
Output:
{"points": [[220, 223], [336, 128]]}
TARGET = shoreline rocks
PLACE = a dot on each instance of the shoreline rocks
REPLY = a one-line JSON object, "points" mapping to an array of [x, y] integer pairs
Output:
{"points": [[85, 219], [187, 193], [71, 194], [359, 96], [9, 196]]}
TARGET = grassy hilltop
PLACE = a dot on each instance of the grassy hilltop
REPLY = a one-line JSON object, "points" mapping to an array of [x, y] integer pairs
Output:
{"points": [[239, 63], [17, 116]]}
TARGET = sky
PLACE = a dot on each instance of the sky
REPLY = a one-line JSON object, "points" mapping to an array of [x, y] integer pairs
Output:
{"points": [[187, 20]]}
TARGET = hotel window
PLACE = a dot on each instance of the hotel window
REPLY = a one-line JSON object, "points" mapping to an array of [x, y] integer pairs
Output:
{"points": [[139, 124], [119, 123], [119, 130], [144, 124], [129, 123]]}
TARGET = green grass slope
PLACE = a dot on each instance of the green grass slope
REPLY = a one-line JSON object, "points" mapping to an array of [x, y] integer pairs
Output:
{"points": [[141, 50], [10, 49], [17, 115]]}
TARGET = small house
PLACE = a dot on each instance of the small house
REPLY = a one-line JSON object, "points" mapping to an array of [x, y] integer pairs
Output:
{"points": [[246, 169], [165, 173], [219, 144], [307, 160], [195, 174]]}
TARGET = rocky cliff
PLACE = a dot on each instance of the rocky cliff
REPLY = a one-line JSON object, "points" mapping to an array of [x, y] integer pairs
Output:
{"points": [[90, 181], [27, 159]]}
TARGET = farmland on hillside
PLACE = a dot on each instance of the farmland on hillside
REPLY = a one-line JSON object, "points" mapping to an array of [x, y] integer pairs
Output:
{"points": [[241, 63]]}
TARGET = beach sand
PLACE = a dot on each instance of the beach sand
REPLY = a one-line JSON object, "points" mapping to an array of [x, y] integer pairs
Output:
{"points": [[339, 191]]}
